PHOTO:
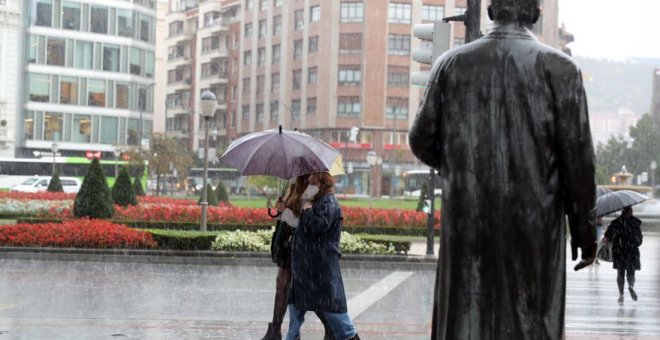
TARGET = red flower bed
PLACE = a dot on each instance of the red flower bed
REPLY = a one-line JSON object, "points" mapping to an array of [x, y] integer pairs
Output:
{"points": [[82, 233], [46, 196]]}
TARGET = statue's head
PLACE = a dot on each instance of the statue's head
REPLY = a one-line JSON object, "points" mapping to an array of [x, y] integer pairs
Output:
{"points": [[522, 12]]}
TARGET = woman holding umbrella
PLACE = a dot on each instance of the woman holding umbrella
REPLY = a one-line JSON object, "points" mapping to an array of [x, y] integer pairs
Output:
{"points": [[316, 283], [625, 235]]}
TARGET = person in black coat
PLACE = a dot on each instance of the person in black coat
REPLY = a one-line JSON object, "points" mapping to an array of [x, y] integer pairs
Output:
{"points": [[316, 283], [625, 235]]}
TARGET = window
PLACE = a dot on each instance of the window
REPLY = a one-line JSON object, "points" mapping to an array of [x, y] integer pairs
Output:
{"points": [[275, 82], [245, 112], [297, 79], [262, 28], [28, 125], [109, 130], [248, 4], [83, 55], [56, 52], [398, 44], [396, 108], [176, 28], [277, 25], [96, 92], [44, 13], [111, 58], [313, 44], [39, 87], [208, 44], [121, 96], [247, 58], [276, 54], [312, 75], [136, 61], [99, 19], [348, 106], [295, 109], [399, 13], [278, 3], [125, 26], [82, 129], [350, 43], [351, 12], [459, 10], [349, 75], [299, 20], [210, 18], [261, 56], [274, 111], [398, 76], [211, 68], [71, 15], [145, 28], [297, 49], [311, 105], [261, 84], [246, 86], [263, 5], [53, 126], [69, 90], [259, 111], [315, 13], [248, 30], [149, 64], [432, 12]]}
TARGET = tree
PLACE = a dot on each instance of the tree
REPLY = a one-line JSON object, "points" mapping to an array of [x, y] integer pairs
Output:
{"points": [[167, 155], [211, 197], [55, 184], [122, 191], [137, 186], [221, 193], [94, 198]]}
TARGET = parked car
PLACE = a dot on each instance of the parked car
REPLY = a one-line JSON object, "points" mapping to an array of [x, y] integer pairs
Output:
{"points": [[40, 183]]}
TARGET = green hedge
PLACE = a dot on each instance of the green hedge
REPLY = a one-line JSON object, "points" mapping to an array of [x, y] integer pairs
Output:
{"points": [[183, 240]]}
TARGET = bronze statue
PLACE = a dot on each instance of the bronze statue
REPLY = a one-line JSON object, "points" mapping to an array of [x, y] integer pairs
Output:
{"points": [[504, 121]]}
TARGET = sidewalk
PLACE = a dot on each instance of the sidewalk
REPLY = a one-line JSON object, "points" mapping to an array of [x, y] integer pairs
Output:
{"points": [[418, 248]]}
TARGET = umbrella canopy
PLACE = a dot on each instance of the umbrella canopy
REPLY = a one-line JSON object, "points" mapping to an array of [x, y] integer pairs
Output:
{"points": [[337, 167], [600, 191], [617, 200], [280, 153]]}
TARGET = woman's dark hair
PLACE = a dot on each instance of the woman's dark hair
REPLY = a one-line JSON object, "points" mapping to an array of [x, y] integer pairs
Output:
{"points": [[296, 189], [518, 11], [627, 211], [326, 184]]}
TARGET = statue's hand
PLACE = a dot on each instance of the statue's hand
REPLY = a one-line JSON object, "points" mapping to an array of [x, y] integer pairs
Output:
{"points": [[588, 256]]}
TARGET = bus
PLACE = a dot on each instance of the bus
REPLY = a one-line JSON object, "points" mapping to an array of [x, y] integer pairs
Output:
{"points": [[414, 179], [14, 171]]}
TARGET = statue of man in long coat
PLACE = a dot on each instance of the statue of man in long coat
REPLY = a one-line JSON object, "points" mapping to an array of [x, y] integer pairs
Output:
{"points": [[504, 121]]}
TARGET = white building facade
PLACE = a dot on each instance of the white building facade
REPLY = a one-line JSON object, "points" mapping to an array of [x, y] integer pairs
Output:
{"points": [[10, 73]]}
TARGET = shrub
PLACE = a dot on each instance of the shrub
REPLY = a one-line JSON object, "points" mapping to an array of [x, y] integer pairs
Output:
{"points": [[55, 184], [183, 240], [240, 240], [137, 186], [211, 199], [221, 193], [83, 233], [94, 198], [122, 191]]}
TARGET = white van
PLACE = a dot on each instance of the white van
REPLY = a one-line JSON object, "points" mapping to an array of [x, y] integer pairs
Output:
{"points": [[40, 183]]}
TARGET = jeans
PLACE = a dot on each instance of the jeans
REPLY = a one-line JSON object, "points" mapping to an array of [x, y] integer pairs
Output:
{"points": [[340, 323]]}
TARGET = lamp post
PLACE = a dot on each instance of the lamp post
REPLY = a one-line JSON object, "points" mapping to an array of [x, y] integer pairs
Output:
{"points": [[371, 160], [117, 152], [207, 105], [54, 149], [379, 177], [143, 106], [653, 166]]}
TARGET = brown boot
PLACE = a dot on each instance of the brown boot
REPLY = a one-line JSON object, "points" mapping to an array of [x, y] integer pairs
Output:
{"points": [[272, 333]]}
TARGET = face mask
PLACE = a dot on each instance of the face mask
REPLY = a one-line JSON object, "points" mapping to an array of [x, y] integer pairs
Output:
{"points": [[310, 192]]}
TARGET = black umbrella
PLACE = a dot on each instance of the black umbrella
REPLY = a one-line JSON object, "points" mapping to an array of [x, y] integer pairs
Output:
{"points": [[617, 200]]}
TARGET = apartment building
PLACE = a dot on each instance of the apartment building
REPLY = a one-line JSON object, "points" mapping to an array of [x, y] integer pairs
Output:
{"points": [[10, 74], [318, 66], [88, 75]]}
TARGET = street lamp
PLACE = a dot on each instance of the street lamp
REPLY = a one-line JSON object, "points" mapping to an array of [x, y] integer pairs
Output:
{"points": [[116, 152], [207, 104], [653, 166], [54, 148], [371, 160]]}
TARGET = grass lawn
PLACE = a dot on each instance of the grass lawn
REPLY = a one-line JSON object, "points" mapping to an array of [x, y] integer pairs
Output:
{"points": [[380, 203], [5, 222]]}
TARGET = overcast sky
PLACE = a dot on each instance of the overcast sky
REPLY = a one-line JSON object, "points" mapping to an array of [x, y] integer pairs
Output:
{"points": [[612, 29]]}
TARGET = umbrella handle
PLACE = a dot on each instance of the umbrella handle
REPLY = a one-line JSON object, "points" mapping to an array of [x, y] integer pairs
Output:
{"points": [[277, 213]]}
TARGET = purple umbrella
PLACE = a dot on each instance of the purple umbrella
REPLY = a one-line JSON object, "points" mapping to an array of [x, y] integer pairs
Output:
{"points": [[279, 153]]}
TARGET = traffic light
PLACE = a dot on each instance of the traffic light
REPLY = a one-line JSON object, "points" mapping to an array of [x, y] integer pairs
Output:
{"points": [[439, 36]]}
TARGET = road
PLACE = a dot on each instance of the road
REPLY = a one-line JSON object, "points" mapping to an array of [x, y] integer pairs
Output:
{"points": [[41, 299]]}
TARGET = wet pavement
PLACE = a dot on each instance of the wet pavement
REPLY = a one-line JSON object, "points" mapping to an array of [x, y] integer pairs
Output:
{"points": [[42, 299]]}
